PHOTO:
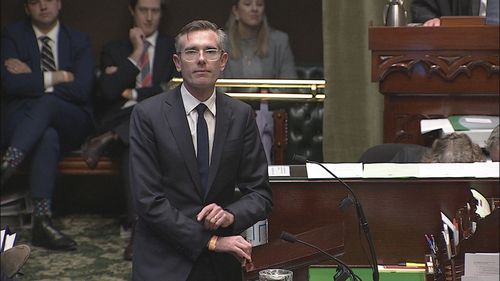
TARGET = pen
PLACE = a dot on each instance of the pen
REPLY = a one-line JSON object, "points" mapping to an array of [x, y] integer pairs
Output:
{"points": [[429, 242], [434, 244]]}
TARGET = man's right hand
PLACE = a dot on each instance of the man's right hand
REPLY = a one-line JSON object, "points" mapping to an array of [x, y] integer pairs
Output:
{"points": [[110, 69], [16, 66], [136, 37], [237, 246], [62, 76], [433, 22]]}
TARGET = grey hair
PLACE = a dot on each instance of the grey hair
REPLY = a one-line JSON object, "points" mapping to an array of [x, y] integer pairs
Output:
{"points": [[454, 148], [493, 139], [201, 25]]}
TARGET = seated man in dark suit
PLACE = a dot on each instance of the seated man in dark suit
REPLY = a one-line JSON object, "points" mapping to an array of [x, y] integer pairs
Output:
{"points": [[429, 12], [133, 69], [47, 76]]}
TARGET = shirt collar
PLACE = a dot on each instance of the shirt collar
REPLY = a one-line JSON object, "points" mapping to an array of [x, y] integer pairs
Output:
{"points": [[52, 34], [152, 39], [190, 102]]}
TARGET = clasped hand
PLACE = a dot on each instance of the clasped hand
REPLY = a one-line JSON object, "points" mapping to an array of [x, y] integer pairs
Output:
{"points": [[215, 216], [16, 66]]}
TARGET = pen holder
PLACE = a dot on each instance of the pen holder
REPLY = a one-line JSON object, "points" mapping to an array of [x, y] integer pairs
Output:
{"points": [[433, 269], [430, 264]]}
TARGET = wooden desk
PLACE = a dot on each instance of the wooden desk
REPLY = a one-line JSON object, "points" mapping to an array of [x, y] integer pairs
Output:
{"points": [[399, 212], [434, 72]]}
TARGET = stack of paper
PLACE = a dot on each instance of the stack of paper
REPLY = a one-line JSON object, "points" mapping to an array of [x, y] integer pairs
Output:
{"points": [[341, 170], [482, 267], [7, 239], [432, 170]]}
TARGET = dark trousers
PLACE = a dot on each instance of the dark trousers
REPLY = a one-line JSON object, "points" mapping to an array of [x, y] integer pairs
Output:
{"points": [[212, 266], [45, 128], [118, 121]]}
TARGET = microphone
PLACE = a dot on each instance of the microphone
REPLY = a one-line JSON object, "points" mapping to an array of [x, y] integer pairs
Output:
{"points": [[343, 271], [359, 211]]}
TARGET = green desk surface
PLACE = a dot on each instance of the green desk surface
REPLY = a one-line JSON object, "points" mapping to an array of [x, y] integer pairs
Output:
{"points": [[326, 274]]}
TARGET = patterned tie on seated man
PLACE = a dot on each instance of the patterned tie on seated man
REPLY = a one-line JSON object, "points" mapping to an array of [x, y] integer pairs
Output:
{"points": [[146, 75], [46, 55]]}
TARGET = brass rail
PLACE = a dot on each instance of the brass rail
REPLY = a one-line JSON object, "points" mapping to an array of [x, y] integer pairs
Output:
{"points": [[270, 89]]}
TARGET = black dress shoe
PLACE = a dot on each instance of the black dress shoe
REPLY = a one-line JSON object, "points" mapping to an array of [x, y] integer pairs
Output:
{"points": [[128, 253], [93, 148], [47, 236]]}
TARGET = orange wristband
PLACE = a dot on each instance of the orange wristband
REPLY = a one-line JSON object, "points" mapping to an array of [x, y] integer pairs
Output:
{"points": [[212, 242]]}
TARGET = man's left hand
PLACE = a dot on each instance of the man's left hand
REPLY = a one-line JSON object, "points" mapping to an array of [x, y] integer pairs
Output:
{"points": [[215, 217]]}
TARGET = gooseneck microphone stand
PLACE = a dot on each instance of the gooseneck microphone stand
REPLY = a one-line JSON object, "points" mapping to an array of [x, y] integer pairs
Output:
{"points": [[343, 270], [359, 210]]}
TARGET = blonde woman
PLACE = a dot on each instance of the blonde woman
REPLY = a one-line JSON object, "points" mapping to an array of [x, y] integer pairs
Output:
{"points": [[255, 49]]}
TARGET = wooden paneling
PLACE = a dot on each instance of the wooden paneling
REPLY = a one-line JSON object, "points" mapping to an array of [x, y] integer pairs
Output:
{"points": [[433, 73], [399, 212]]}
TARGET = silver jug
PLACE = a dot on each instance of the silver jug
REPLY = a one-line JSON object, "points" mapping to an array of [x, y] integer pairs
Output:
{"points": [[395, 13]]}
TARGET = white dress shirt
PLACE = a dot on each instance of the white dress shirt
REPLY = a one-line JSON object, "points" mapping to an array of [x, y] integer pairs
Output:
{"points": [[190, 103], [53, 35]]}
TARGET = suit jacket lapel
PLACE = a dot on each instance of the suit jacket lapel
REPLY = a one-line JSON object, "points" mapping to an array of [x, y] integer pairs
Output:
{"points": [[159, 58], [176, 117], [63, 49], [33, 43], [223, 120]]}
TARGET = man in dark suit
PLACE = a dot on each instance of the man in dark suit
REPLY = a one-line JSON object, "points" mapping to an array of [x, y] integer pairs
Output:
{"points": [[190, 148], [428, 12], [132, 70], [47, 75]]}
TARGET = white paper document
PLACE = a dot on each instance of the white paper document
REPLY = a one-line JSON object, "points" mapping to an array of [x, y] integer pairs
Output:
{"points": [[391, 170], [483, 206], [2, 238], [482, 264], [278, 171], [480, 278], [432, 170], [341, 170], [428, 125], [10, 239], [452, 227]]}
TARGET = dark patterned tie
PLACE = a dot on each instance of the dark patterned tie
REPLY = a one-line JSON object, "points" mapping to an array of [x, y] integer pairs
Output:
{"points": [[146, 76], [46, 55], [202, 144]]}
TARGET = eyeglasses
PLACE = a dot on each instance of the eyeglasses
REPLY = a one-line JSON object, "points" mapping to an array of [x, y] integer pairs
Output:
{"points": [[192, 55]]}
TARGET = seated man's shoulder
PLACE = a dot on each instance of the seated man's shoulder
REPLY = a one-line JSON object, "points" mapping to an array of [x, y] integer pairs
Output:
{"points": [[16, 28], [237, 104], [154, 101]]}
